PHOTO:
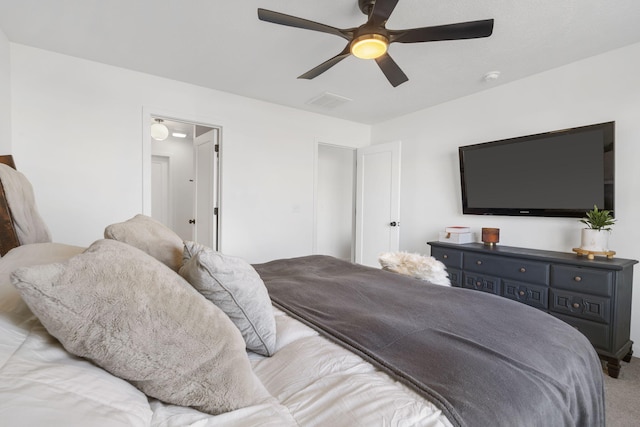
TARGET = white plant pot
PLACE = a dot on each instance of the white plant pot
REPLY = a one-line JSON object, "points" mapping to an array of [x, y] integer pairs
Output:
{"points": [[594, 240]]}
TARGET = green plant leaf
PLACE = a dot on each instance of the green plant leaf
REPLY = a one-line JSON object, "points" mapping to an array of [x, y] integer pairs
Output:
{"points": [[598, 219]]}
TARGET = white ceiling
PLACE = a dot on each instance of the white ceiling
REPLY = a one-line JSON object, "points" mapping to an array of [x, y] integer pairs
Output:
{"points": [[222, 45]]}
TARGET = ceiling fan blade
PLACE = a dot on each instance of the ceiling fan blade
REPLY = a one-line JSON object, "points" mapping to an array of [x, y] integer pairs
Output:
{"points": [[463, 30], [293, 21], [316, 71], [381, 11], [391, 70]]}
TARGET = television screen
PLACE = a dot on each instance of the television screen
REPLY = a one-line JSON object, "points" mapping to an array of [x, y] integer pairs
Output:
{"points": [[561, 173]]}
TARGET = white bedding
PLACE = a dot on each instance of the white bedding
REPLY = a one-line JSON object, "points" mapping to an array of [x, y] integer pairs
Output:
{"points": [[313, 381]]}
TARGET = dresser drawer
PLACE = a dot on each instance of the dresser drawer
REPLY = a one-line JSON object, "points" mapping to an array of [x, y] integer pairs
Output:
{"points": [[588, 307], [455, 277], [582, 279], [518, 269], [535, 296], [597, 333], [449, 257], [481, 283]]}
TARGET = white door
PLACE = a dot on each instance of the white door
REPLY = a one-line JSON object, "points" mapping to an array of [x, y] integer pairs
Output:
{"points": [[161, 190], [205, 226], [377, 202]]}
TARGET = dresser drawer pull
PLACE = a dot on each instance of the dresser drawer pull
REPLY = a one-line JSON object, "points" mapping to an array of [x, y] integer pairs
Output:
{"points": [[478, 283], [577, 278], [523, 270], [521, 293], [479, 262], [576, 305], [445, 256]]}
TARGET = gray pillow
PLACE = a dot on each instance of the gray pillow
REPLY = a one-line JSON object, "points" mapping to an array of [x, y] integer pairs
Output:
{"points": [[134, 317], [150, 236], [233, 284]]}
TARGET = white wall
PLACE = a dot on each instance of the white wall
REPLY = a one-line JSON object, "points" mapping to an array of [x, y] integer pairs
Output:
{"points": [[5, 95], [598, 89], [78, 128]]}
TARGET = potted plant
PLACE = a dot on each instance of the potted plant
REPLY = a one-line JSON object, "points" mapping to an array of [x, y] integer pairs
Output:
{"points": [[595, 237]]}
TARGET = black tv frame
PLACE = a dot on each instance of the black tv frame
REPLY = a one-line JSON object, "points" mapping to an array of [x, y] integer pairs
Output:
{"points": [[609, 187]]}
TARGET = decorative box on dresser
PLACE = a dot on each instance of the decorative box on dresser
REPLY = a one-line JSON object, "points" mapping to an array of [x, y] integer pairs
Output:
{"points": [[593, 296]]}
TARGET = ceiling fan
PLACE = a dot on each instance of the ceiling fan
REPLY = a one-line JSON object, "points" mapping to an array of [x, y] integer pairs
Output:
{"points": [[371, 40]]}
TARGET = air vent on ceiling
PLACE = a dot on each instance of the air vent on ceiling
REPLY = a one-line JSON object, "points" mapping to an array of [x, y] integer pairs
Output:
{"points": [[328, 100]]}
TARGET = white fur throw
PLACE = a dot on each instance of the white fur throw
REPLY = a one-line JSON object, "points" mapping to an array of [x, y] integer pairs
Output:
{"points": [[416, 265]]}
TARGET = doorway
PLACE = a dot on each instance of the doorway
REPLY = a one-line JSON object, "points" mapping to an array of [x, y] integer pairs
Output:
{"points": [[185, 169], [334, 201]]}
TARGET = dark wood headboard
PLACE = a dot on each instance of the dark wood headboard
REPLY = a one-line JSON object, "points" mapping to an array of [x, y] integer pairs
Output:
{"points": [[8, 237]]}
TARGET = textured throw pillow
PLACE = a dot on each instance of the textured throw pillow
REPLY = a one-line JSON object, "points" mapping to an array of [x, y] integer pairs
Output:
{"points": [[29, 225], [233, 284], [150, 236], [134, 317]]}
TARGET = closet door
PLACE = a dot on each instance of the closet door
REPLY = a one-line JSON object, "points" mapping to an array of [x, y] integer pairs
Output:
{"points": [[377, 202]]}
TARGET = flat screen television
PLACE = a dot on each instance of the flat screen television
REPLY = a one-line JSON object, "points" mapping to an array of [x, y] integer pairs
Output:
{"points": [[556, 174]]}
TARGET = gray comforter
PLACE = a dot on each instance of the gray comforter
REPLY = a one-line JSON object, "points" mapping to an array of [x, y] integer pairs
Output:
{"points": [[482, 359]]}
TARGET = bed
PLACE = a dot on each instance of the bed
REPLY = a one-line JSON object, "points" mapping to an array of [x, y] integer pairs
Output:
{"points": [[141, 329]]}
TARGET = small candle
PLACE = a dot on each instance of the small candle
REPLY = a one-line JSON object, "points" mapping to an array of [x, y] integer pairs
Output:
{"points": [[490, 236]]}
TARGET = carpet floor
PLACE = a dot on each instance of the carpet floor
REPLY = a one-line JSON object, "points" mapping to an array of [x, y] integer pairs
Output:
{"points": [[622, 396]]}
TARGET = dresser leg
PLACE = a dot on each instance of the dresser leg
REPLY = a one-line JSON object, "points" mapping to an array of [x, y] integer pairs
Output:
{"points": [[627, 358], [613, 367]]}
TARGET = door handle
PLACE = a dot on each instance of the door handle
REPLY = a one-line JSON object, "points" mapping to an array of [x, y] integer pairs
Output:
{"points": [[394, 224], [192, 221]]}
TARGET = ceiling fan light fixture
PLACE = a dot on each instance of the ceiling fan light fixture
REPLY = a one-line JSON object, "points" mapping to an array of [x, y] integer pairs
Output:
{"points": [[371, 39], [369, 46], [159, 131]]}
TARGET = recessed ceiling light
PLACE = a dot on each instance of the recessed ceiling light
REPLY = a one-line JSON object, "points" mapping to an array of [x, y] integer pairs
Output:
{"points": [[179, 134]]}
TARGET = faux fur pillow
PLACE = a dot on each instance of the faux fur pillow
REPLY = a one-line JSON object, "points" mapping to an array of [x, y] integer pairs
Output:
{"points": [[233, 284], [416, 265], [150, 236], [134, 317], [29, 225]]}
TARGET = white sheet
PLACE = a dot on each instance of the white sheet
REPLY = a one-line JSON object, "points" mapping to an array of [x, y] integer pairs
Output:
{"points": [[313, 381]]}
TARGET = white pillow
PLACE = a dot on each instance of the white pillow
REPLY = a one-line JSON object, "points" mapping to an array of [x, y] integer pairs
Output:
{"points": [[134, 317], [233, 284]]}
